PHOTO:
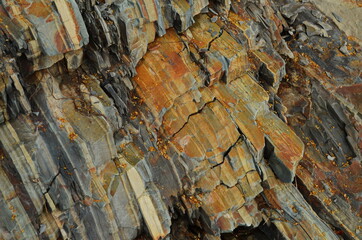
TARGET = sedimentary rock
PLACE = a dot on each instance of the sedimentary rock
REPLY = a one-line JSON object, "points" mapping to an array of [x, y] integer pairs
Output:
{"points": [[178, 120]]}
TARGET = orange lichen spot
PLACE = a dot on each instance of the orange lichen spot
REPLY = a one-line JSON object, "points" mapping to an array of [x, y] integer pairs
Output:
{"points": [[13, 217], [62, 120], [42, 128], [327, 201], [134, 115], [312, 193], [162, 146], [121, 165], [193, 200], [346, 164], [72, 136], [151, 149], [346, 196]]}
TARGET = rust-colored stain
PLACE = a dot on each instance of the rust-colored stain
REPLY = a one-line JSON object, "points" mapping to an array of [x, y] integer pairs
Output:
{"points": [[50, 18], [59, 40], [358, 3], [163, 73], [154, 46], [23, 3], [143, 7], [353, 93], [39, 9], [343, 181], [272, 198], [75, 21]]}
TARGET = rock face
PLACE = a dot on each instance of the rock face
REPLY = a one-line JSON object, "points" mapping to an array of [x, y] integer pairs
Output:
{"points": [[157, 119]]}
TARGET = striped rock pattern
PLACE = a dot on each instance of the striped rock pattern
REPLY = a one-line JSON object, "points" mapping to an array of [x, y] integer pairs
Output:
{"points": [[155, 119]]}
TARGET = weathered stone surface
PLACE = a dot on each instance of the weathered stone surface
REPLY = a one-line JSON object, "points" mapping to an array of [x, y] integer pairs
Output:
{"points": [[326, 112], [43, 31], [12, 96], [343, 14], [169, 120]]}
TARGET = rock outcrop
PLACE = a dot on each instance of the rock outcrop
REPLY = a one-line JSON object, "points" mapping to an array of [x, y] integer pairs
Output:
{"points": [[155, 119]]}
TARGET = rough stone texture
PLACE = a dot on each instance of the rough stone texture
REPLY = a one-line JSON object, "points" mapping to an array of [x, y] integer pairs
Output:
{"points": [[156, 119], [344, 14]]}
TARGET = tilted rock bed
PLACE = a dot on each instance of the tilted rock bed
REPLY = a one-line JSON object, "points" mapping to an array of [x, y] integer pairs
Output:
{"points": [[178, 120]]}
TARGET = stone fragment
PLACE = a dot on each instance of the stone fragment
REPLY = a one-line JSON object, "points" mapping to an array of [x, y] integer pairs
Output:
{"points": [[282, 154], [314, 30], [344, 49]]}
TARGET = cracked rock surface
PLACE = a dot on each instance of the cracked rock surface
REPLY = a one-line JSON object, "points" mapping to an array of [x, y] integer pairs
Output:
{"points": [[157, 119]]}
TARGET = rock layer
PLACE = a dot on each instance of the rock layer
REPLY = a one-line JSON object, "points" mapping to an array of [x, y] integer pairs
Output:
{"points": [[169, 120]]}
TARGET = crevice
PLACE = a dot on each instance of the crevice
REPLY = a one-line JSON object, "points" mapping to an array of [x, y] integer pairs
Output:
{"points": [[264, 231], [202, 53], [226, 153], [240, 131], [202, 67], [51, 182], [296, 222], [192, 114], [219, 35], [223, 184], [258, 169], [250, 146], [318, 207]]}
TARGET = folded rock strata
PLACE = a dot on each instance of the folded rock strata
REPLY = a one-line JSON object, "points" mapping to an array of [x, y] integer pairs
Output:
{"points": [[178, 120]]}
